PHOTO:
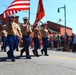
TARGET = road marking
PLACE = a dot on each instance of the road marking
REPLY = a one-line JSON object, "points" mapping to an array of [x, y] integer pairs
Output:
{"points": [[56, 56], [64, 57]]}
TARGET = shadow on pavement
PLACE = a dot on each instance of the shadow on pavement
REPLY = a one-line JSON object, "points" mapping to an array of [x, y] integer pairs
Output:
{"points": [[4, 59]]}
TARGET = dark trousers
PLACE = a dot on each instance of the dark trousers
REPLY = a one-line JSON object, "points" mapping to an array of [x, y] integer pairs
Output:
{"points": [[12, 45], [74, 48], [26, 43], [45, 45], [36, 44], [5, 43]]}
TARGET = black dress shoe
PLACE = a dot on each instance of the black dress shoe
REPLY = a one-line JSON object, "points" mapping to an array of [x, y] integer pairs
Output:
{"points": [[28, 57], [37, 55], [8, 55], [46, 55], [17, 49], [21, 53], [13, 60], [4, 51]]}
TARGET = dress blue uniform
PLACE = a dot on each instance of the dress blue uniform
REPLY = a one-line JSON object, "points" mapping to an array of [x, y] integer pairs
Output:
{"points": [[12, 29], [17, 42], [26, 30], [4, 39], [36, 40], [44, 32]]}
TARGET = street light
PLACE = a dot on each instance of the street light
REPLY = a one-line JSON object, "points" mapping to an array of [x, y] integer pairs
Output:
{"points": [[64, 7]]}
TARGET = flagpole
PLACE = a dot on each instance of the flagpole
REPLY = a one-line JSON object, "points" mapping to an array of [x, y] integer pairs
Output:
{"points": [[29, 16]]}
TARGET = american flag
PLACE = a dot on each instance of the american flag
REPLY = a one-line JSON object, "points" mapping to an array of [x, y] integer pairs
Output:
{"points": [[16, 6], [59, 20]]}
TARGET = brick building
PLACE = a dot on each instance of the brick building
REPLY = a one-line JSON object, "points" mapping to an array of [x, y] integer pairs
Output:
{"points": [[58, 29]]}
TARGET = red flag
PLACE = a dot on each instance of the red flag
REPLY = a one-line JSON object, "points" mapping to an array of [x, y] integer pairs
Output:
{"points": [[40, 12], [16, 6]]}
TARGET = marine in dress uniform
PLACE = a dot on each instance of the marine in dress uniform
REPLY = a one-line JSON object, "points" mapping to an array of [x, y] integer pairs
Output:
{"points": [[4, 38], [44, 32], [12, 28], [26, 31], [36, 31]]}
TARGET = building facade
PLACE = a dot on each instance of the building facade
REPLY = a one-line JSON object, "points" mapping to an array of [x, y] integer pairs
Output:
{"points": [[59, 28]]}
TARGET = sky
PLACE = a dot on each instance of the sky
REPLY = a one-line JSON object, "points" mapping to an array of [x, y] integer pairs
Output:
{"points": [[50, 7]]}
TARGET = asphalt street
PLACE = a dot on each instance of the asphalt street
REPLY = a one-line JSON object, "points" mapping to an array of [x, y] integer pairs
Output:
{"points": [[57, 63]]}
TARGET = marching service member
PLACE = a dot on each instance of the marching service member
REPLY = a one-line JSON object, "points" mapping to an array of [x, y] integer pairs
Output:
{"points": [[12, 28], [4, 38], [26, 31], [36, 31], [44, 33]]}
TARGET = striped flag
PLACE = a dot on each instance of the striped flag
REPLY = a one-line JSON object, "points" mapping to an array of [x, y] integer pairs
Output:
{"points": [[16, 6], [59, 20]]}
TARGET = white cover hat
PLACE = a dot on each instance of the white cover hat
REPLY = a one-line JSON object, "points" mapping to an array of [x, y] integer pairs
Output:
{"points": [[25, 18], [12, 15]]}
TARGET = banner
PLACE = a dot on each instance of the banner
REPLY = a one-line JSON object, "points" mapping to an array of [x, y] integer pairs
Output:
{"points": [[40, 12]]}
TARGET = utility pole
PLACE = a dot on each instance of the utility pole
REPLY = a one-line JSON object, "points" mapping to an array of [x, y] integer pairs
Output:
{"points": [[64, 7]]}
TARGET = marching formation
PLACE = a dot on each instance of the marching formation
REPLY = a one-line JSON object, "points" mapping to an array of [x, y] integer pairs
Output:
{"points": [[12, 34]]}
